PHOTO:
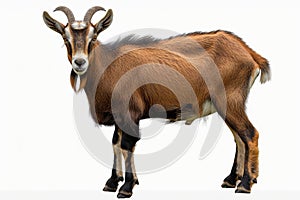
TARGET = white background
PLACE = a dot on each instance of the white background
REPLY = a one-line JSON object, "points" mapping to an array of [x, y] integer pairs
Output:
{"points": [[39, 146]]}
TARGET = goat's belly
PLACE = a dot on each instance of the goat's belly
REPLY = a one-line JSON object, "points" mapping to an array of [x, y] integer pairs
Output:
{"points": [[188, 115]]}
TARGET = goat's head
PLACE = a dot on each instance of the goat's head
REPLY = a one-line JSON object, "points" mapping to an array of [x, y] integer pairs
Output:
{"points": [[80, 37]]}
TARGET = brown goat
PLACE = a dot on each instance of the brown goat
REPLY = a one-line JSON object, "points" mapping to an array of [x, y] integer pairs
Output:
{"points": [[190, 76]]}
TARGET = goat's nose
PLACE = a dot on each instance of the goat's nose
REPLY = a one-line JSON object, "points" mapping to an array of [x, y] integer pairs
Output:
{"points": [[80, 61]]}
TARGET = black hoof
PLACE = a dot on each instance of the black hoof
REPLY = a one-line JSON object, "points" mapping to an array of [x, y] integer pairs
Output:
{"points": [[229, 181], [244, 186], [126, 189], [242, 190], [108, 189], [123, 195], [227, 185], [112, 184]]}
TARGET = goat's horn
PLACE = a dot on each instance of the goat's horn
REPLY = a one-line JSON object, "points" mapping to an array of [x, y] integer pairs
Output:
{"points": [[89, 14], [68, 12]]}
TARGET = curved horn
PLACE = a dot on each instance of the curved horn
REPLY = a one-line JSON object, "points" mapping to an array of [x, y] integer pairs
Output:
{"points": [[68, 12], [89, 14]]}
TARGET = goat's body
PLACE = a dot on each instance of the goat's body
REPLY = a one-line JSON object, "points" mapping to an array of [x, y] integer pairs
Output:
{"points": [[168, 61], [180, 74]]}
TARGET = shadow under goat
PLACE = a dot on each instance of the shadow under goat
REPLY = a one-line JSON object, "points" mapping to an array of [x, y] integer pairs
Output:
{"points": [[190, 76]]}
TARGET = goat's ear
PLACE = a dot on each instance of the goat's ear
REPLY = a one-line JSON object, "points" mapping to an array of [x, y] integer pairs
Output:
{"points": [[52, 23], [105, 22]]}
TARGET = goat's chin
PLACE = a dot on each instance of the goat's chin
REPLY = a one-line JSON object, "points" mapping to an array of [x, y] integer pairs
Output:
{"points": [[80, 73], [78, 82]]}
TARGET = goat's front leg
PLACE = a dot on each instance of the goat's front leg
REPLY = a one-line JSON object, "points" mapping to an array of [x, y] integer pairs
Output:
{"points": [[128, 145], [117, 174]]}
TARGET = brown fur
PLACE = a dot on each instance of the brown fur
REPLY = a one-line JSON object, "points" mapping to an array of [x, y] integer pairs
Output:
{"points": [[236, 63], [230, 54]]}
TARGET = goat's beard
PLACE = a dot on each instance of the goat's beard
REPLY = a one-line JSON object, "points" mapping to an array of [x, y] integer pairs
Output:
{"points": [[77, 82]]}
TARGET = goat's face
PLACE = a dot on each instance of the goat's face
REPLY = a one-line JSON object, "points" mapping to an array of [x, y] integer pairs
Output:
{"points": [[80, 37]]}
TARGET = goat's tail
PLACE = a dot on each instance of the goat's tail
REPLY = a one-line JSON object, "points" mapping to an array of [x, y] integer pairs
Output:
{"points": [[263, 65], [261, 61]]}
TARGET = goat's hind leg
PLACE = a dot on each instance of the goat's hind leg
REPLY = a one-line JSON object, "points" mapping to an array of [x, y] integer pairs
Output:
{"points": [[117, 174], [237, 170], [238, 121], [230, 180], [246, 136]]}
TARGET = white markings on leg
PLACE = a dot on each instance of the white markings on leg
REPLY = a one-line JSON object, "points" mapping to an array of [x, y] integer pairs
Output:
{"points": [[118, 155], [129, 164], [240, 162]]}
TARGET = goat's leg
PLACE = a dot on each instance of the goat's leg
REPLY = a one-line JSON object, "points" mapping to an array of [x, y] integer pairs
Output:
{"points": [[237, 170], [117, 174], [128, 145], [238, 121], [246, 138], [230, 180]]}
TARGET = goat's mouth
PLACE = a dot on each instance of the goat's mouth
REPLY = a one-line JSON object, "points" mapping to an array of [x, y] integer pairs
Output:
{"points": [[80, 71]]}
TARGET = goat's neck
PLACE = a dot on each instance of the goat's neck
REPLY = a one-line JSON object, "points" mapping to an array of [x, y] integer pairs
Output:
{"points": [[100, 58]]}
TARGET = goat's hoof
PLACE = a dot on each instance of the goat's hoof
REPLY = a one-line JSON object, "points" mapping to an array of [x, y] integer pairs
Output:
{"points": [[242, 190], [229, 182], [126, 189], [123, 195], [244, 186], [108, 189], [112, 184], [227, 185]]}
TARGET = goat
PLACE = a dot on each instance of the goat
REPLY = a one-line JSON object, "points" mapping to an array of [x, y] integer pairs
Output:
{"points": [[218, 54]]}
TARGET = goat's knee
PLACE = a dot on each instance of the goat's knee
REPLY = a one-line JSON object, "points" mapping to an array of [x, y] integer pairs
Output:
{"points": [[128, 142]]}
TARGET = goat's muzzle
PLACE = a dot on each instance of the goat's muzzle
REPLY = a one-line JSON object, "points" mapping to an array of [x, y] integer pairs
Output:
{"points": [[80, 64]]}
